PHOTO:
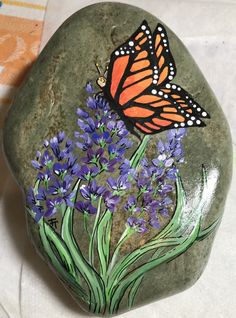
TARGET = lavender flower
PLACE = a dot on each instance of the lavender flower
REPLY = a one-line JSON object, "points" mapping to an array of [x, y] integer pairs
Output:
{"points": [[111, 201], [92, 191], [102, 141], [138, 224], [89, 88]]}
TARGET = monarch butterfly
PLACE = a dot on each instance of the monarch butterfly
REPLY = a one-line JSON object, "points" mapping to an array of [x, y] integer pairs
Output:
{"points": [[138, 85]]}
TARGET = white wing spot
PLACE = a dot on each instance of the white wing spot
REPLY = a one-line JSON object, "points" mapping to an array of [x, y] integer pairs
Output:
{"points": [[204, 114], [154, 91], [143, 27], [159, 29], [160, 93], [117, 53], [168, 86], [190, 123], [131, 43]]}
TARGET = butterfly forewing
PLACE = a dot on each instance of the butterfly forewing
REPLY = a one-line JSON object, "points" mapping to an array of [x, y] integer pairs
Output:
{"points": [[131, 67]]}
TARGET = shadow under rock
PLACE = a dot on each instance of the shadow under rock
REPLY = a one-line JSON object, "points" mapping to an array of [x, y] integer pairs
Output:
{"points": [[14, 214]]}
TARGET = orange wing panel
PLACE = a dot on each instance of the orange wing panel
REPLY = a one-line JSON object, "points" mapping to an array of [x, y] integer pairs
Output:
{"points": [[138, 112], [117, 73], [134, 90]]}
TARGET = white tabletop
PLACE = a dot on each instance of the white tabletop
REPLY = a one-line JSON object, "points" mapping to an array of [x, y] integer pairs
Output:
{"points": [[28, 288]]}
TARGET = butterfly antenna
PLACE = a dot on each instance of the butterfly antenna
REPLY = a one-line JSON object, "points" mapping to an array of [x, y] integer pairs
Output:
{"points": [[98, 69], [106, 70]]}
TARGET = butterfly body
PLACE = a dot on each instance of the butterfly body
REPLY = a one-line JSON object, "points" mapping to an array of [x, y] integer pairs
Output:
{"points": [[139, 85]]}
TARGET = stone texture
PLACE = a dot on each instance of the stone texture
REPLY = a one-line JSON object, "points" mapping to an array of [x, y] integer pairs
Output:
{"points": [[47, 101]]}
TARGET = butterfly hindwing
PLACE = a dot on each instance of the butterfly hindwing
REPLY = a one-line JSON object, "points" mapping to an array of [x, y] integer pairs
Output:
{"points": [[164, 109]]}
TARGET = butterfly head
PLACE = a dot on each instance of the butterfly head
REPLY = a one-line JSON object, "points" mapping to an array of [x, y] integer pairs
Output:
{"points": [[101, 81]]}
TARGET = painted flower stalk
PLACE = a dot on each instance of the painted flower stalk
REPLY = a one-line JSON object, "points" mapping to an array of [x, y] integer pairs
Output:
{"points": [[91, 175]]}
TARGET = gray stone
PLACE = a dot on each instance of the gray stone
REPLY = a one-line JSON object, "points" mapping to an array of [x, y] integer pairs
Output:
{"points": [[46, 104]]}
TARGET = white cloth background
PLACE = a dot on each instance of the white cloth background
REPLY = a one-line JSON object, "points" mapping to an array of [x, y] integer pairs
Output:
{"points": [[28, 289]]}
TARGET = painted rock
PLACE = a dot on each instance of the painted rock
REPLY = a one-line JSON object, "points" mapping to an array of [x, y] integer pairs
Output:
{"points": [[126, 171]]}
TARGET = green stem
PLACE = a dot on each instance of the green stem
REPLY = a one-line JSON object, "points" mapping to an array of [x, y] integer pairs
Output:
{"points": [[126, 234], [95, 226], [85, 217], [139, 152]]}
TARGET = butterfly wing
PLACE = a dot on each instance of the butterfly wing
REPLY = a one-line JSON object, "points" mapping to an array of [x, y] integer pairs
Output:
{"points": [[164, 68], [130, 70], [170, 107], [138, 85]]}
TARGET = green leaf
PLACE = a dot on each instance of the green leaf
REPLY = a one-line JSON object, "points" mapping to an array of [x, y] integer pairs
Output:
{"points": [[133, 291], [94, 233], [92, 278], [64, 265], [103, 240], [122, 286]]}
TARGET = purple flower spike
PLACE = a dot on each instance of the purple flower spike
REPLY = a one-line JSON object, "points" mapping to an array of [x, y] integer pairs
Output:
{"points": [[86, 142], [46, 159], [85, 207], [108, 165], [81, 113], [119, 184], [92, 191], [31, 197], [42, 194], [55, 148], [154, 223], [36, 165], [87, 173], [59, 168], [92, 103], [138, 224], [102, 139], [111, 200], [61, 136], [89, 88], [130, 206], [53, 205]]}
